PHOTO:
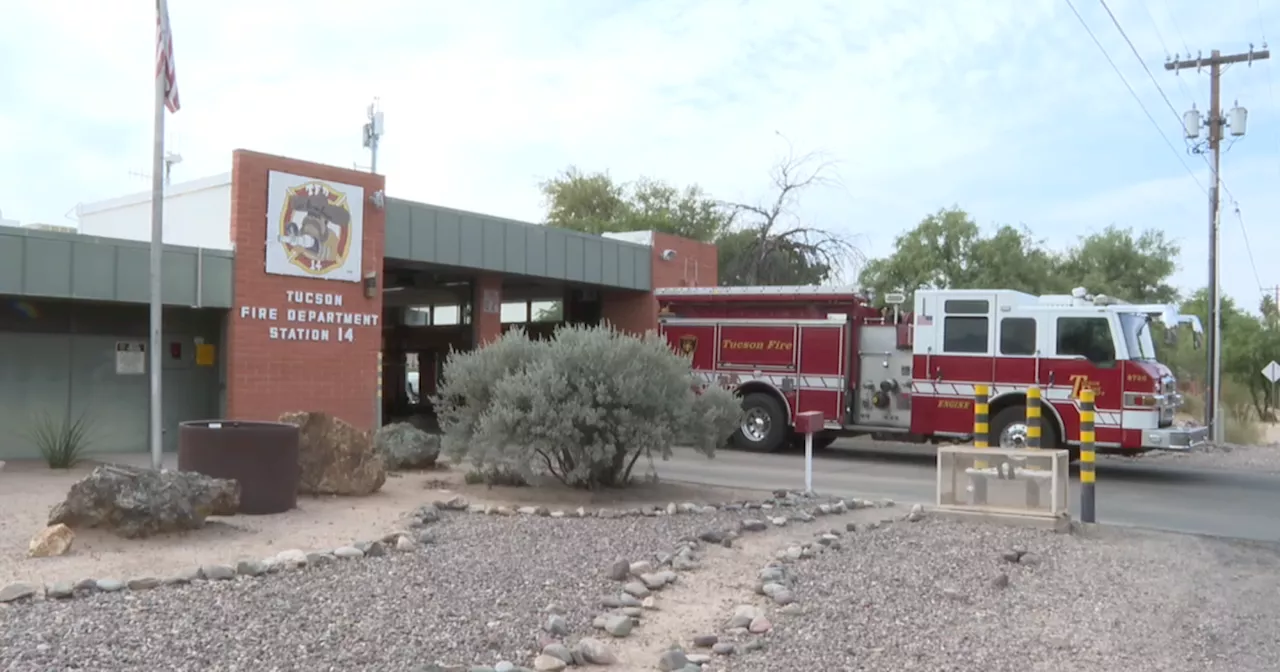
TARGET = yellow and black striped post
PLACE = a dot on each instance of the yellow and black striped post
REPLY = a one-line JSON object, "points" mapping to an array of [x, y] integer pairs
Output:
{"points": [[1033, 442], [981, 439], [1088, 510], [1033, 417]]}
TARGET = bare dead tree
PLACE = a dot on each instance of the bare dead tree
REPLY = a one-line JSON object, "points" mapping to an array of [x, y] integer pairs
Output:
{"points": [[777, 239]]}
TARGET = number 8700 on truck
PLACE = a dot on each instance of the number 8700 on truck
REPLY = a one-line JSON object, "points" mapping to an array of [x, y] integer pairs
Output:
{"points": [[912, 375]]}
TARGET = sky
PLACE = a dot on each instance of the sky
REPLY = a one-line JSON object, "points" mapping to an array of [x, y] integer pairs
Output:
{"points": [[1006, 108]]}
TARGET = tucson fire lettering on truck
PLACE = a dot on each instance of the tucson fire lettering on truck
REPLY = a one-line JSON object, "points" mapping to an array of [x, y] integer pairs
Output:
{"points": [[755, 345]]}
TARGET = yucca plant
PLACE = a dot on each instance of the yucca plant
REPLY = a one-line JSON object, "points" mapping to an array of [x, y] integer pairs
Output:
{"points": [[62, 439]]}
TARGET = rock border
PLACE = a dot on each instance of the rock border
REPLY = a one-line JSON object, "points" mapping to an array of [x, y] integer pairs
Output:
{"points": [[782, 500], [640, 580], [746, 629], [291, 559]]}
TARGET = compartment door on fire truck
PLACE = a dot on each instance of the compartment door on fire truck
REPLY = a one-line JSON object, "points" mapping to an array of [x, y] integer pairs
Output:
{"points": [[962, 358]]}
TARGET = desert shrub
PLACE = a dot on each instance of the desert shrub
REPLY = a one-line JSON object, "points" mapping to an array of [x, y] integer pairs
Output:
{"points": [[496, 474], [1241, 425], [466, 391], [1193, 405], [1239, 416], [61, 438], [404, 446], [584, 406]]}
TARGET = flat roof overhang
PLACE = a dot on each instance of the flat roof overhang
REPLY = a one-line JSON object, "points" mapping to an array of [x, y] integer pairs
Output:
{"points": [[436, 235]]}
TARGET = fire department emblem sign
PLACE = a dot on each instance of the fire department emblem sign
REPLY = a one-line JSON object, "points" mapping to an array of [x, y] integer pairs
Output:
{"points": [[314, 228], [688, 344]]}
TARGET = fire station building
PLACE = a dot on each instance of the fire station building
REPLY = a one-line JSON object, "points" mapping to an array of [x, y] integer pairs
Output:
{"points": [[290, 285]]}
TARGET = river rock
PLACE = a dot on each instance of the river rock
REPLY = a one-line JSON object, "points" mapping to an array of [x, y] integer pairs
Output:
{"points": [[51, 541], [334, 457], [596, 652], [404, 446], [135, 502]]}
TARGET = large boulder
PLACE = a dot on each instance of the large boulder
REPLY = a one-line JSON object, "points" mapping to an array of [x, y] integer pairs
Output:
{"points": [[334, 457], [404, 446], [135, 502]]}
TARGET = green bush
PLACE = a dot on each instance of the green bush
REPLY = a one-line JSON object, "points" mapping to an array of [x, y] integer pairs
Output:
{"points": [[61, 439], [584, 406]]}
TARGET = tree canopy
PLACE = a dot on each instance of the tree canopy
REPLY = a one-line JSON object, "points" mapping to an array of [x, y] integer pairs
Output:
{"points": [[947, 249], [762, 243]]}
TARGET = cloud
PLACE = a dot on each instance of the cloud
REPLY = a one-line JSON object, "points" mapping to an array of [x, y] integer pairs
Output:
{"points": [[1004, 107]]}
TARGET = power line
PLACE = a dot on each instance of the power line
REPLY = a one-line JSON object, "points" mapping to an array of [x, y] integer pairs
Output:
{"points": [[1176, 28], [1164, 45], [1240, 219], [1222, 184], [1152, 77], [1248, 248], [1136, 97]]}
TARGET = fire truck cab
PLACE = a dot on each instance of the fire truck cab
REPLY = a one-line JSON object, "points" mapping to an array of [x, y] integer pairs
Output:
{"points": [[913, 375]]}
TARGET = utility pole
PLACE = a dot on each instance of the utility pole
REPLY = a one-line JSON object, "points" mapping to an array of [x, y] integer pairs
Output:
{"points": [[1215, 123], [372, 133]]}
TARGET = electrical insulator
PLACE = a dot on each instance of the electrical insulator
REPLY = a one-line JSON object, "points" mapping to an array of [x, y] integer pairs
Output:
{"points": [[1238, 120], [1191, 123]]}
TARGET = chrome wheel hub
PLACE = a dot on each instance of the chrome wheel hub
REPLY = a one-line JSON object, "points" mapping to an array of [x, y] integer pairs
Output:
{"points": [[1014, 436], [755, 424]]}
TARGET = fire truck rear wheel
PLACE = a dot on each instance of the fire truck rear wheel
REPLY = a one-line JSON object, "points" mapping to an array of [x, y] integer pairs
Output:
{"points": [[764, 426]]}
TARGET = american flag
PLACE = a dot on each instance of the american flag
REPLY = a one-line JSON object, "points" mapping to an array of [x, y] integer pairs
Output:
{"points": [[164, 56]]}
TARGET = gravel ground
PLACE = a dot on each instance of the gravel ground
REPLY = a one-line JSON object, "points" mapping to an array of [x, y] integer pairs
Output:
{"points": [[475, 596], [1265, 458], [923, 596]]}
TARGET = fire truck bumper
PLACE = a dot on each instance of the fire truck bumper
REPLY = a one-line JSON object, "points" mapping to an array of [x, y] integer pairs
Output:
{"points": [[1175, 438]]}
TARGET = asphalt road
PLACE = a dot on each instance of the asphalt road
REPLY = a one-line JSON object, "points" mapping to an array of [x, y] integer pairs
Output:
{"points": [[1200, 501]]}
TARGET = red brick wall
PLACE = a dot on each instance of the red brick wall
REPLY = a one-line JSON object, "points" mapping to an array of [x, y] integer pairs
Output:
{"points": [[267, 377], [695, 265]]}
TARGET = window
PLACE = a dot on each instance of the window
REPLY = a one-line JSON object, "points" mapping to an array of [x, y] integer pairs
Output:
{"points": [[1018, 336], [967, 307], [1089, 337], [964, 334], [1137, 336]]}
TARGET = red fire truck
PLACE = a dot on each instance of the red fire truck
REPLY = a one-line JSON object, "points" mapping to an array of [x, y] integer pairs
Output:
{"points": [[912, 375]]}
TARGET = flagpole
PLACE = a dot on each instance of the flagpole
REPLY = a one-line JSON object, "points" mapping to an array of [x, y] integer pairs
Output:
{"points": [[156, 433]]}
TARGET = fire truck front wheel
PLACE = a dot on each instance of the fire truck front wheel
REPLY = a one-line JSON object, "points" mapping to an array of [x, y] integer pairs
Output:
{"points": [[764, 424], [1009, 429]]}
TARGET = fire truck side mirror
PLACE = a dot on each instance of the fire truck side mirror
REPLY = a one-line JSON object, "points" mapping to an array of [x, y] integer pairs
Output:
{"points": [[1170, 337], [1196, 339]]}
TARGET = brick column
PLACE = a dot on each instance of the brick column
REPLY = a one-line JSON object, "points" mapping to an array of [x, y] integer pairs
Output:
{"points": [[486, 309], [695, 264], [304, 337]]}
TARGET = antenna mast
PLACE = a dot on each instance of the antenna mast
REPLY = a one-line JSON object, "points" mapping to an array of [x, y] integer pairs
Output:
{"points": [[373, 133]]}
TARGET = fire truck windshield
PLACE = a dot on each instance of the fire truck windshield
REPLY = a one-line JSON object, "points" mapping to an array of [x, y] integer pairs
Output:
{"points": [[1137, 335]]}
